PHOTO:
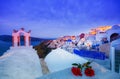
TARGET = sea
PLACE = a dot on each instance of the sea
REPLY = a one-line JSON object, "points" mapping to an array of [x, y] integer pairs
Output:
{"points": [[4, 46]]}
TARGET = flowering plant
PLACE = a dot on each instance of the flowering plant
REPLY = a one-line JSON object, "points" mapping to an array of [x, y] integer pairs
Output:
{"points": [[77, 69], [89, 72]]}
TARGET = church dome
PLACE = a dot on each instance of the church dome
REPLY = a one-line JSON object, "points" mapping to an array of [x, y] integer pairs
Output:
{"points": [[116, 27]]}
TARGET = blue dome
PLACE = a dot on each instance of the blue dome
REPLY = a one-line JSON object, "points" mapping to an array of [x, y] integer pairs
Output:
{"points": [[69, 40]]}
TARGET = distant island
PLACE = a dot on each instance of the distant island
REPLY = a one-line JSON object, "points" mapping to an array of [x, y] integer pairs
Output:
{"points": [[8, 38]]}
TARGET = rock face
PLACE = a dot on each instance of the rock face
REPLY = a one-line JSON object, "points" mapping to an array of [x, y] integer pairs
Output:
{"points": [[43, 49], [20, 63]]}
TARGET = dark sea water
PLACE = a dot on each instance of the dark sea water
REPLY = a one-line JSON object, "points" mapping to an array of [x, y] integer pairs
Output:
{"points": [[4, 46]]}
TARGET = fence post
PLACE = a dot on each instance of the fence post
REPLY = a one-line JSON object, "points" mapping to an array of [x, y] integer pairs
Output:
{"points": [[112, 58], [119, 68]]}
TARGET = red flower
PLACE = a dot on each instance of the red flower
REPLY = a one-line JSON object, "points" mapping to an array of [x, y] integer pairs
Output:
{"points": [[89, 72], [76, 71]]}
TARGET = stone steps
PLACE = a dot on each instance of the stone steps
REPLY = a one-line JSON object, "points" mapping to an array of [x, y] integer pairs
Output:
{"points": [[45, 69]]}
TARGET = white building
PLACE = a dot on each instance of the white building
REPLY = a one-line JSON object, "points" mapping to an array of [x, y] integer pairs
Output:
{"points": [[109, 35], [115, 55], [113, 33]]}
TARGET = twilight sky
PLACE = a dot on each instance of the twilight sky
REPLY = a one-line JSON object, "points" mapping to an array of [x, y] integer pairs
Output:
{"points": [[54, 18]]}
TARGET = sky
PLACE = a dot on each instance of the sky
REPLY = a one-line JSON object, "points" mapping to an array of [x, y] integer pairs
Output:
{"points": [[55, 18]]}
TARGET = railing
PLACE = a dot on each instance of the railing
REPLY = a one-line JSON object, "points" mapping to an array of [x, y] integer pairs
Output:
{"points": [[117, 60]]}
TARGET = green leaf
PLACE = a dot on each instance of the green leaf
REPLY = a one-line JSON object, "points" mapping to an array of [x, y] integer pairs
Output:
{"points": [[88, 62], [75, 64], [79, 66], [90, 66]]}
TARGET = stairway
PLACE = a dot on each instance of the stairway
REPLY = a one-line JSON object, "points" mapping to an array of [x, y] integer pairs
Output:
{"points": [[20, 63]]}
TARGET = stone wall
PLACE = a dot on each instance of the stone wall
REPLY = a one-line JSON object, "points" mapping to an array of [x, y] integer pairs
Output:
{"points": [[105, 48]]}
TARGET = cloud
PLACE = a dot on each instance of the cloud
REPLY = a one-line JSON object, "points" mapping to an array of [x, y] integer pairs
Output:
{"points": [[58, 17]]}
